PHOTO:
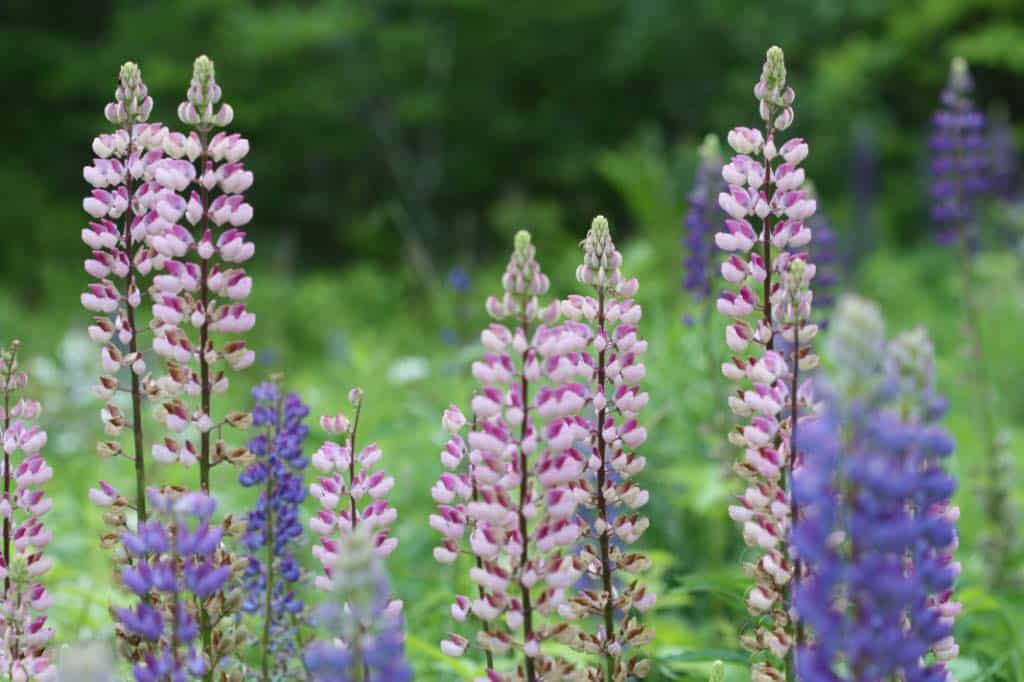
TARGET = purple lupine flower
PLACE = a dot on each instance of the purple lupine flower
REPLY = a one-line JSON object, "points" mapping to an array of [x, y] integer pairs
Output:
{"points": [[274, 526], [959, 161], [876, 531], [772, 279], [175, 563], [23, 604], [352, 494], [123, 206], [492, 500], [702, 219]]}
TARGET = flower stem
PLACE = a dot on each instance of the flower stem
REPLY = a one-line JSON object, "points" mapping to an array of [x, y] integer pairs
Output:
{"points": [[602, 504], [524, 557], [133, 347]]}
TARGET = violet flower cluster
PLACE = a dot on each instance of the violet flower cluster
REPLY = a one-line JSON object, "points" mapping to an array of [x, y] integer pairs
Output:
{"points": [[368, 641], [24, 633], [702, 220], [770, 310], [518, 483], [174, 568], [876, 529], [959, 160], [352, 495], [274, 529]]}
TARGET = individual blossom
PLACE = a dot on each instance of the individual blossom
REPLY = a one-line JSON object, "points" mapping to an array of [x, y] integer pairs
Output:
{"points": [[199, 312], [351, 494], [274, 528], [769, 334], [876, 529], [493, 498], [24, 632], [367, 640], [128, 210], [595, 363], [176, 567]]}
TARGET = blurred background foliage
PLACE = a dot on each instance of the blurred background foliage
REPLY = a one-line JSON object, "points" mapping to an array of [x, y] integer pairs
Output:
{"points": [[394, 141]]}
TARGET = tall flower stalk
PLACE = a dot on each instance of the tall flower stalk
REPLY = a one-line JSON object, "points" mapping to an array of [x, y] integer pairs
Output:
{"points": [[352, 493], [701, 223], [274, 528], [611, 369], [24, 633], [770, 308], [960, 179], [496, 499], [876, 527], [125, 205], [202, 285]]}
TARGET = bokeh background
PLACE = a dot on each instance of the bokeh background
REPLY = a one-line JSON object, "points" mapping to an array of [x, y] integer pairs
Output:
{"points": [[398, 145]]}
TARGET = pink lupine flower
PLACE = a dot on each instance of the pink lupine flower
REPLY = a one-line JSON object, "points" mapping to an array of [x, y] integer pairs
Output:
{"points": [[769, 311], [23, 504], [352, 496]]}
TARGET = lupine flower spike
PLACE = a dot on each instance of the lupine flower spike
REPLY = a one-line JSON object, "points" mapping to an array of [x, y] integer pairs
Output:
{"points": [[175, 567], [606, 372], [876, 529], [367, 638], [352, 494], [274, 528], [702, 220], [24, 633], [491, 501], [769, 335], [960, 179], [201, 284], [130, 212]]}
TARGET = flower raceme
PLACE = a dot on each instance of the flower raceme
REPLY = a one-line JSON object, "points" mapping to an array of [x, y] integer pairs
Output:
{"points": [[126, 208], [876, 529], [352, 494], [24, 633], [176, 565], [516, 486], [273, 528], [770, 332], [702, 219]]}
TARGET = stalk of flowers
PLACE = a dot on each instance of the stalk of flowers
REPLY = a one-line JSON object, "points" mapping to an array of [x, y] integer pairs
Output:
{"points": [[517, 531], [175, 569], [24, 634], [960, 179], [1003, 163], [595, 358], [770, 309], [701, 218], [273, 528], [458, 485], [368, 640], [201, 285], [351, 493], [700, 226], [876, 529], [129, 210]]}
